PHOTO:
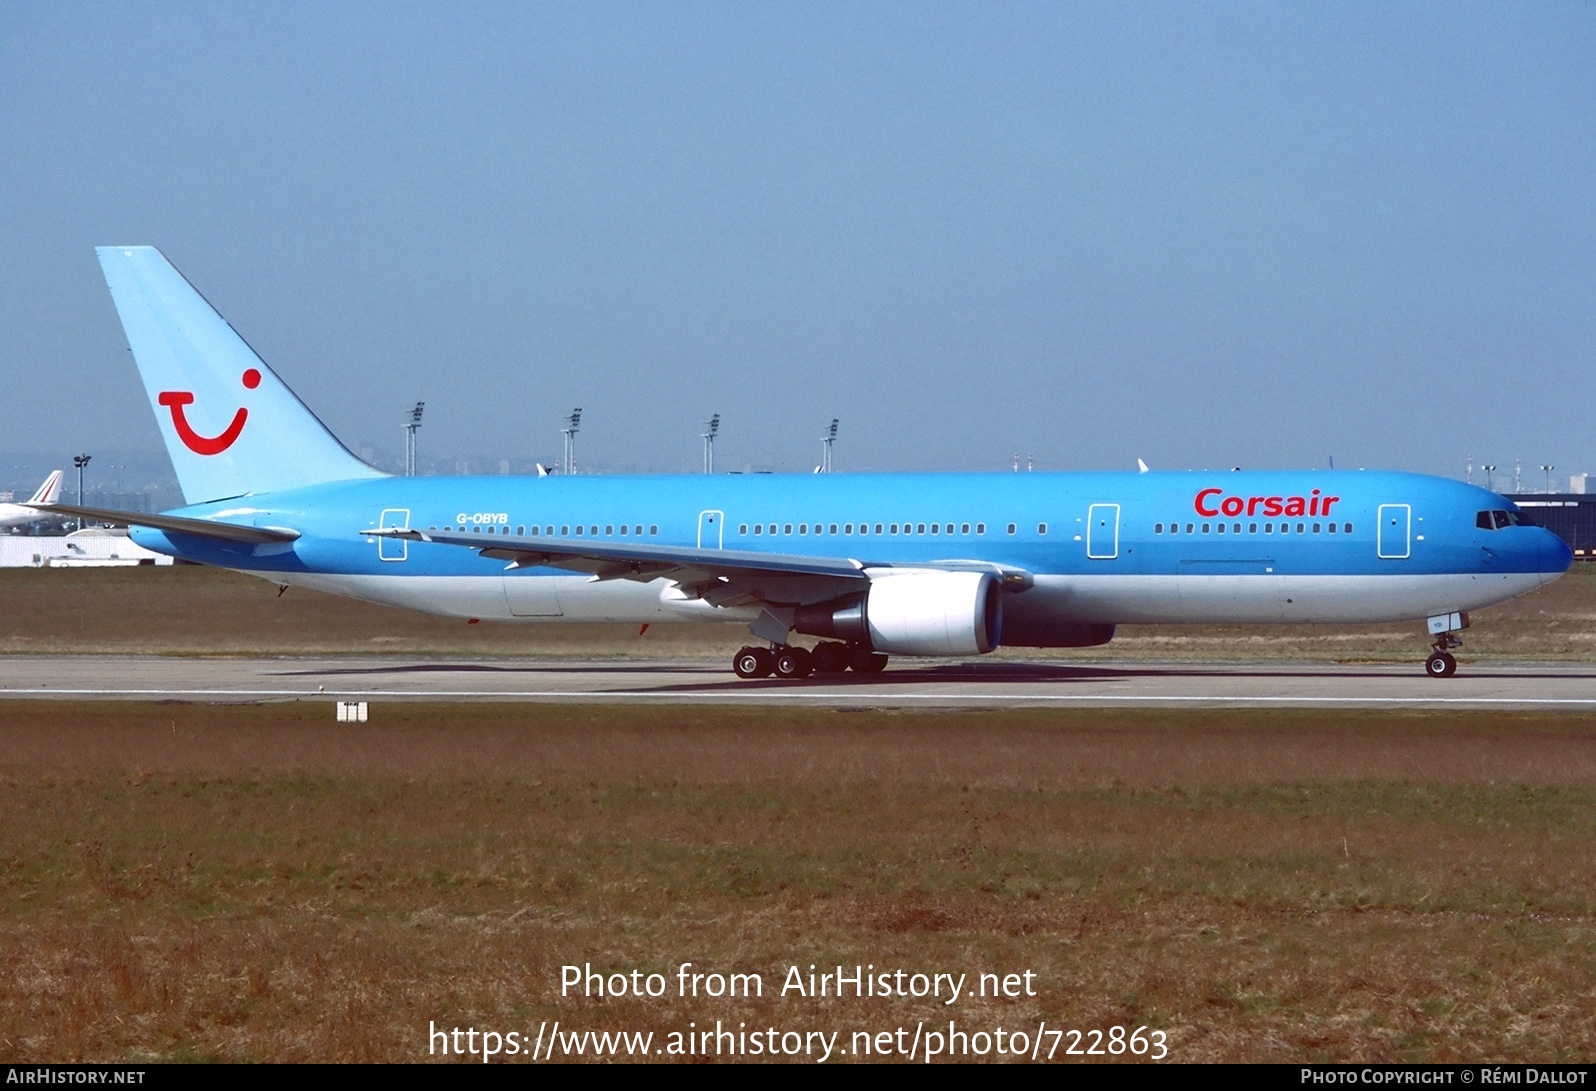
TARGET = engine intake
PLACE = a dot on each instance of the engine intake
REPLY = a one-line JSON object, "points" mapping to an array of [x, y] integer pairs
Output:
{"points": [[915, 613]]}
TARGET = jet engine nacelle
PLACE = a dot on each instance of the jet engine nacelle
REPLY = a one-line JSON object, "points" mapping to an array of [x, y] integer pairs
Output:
{"points": [[915, 613]]}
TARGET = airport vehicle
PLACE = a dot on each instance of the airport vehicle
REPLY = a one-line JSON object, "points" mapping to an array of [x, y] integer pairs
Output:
{"points": [[875, 565], [20, 515]]}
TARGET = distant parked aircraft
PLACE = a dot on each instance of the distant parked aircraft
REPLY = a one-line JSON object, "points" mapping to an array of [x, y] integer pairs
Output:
{"points": [[20, 515], [878, 565]]}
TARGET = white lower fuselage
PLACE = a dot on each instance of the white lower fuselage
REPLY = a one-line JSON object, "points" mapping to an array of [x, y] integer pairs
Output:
{"points": [[1106, 599]]}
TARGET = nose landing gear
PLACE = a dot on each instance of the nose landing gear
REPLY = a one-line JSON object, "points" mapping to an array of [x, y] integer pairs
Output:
{"points": [[1441, 664], [1445, 627]]}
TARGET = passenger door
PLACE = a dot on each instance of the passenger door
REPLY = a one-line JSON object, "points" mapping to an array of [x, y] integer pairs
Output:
{"points": [[1102, 532], [711, 529], [1393, 531], [393, 549]]}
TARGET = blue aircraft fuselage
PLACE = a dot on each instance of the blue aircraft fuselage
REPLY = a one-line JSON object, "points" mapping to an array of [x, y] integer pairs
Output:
{"points": [[1103, 547]]}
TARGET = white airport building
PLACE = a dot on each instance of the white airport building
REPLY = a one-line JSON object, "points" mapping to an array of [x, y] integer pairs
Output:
{"points": [[92, 547]]}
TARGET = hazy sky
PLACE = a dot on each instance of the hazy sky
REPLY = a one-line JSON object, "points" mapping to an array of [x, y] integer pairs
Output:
{"points": [[1199, 234]]}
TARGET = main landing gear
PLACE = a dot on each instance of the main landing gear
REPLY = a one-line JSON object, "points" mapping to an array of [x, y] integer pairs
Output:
{"points": [[786, 661]]}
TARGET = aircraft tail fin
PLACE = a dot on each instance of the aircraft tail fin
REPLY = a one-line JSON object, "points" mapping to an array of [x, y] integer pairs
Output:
{"points": [[49, 490], [231, 426]]}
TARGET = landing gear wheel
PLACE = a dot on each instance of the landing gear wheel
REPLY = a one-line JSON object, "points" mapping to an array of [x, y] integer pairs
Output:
{"points": [[753, 663], [831, 658], [1440, 665], [866, 661], [792, 663]]}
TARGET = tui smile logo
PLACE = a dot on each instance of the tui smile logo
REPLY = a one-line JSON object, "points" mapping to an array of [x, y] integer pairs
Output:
{"points": [[175, 400]]}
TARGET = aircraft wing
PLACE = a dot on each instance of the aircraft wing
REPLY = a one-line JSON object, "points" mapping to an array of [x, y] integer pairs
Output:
{"points": [[724, 577], [177, 524]]}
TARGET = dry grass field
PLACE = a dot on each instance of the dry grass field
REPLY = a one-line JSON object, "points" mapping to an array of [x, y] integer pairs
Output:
{"points": [[261, 883], [189, 610], [257, 882]]}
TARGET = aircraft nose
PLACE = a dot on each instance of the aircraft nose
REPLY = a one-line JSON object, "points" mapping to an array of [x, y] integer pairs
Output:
{"points": [[1552, 554]]}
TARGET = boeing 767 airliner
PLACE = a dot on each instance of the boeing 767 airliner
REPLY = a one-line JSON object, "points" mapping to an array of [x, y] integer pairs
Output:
{"points": [[876, 565]]}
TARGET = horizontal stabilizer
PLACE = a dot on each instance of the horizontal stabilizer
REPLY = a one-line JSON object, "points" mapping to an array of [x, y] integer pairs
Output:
{"points": [[176, 524]]}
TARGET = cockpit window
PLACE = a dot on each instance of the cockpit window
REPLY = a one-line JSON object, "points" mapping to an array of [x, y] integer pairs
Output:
{"points": [[1496, 520]]}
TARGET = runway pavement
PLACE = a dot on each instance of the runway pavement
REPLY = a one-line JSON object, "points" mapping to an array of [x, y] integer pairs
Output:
{"points": [[906, 684]]}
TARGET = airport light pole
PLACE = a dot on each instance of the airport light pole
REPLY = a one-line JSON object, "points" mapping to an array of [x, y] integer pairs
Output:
{"points": [[571, 428], [410, 438], [1489, 468], [711, 427], [1548, 467], [825, 447], [80, 461]]}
